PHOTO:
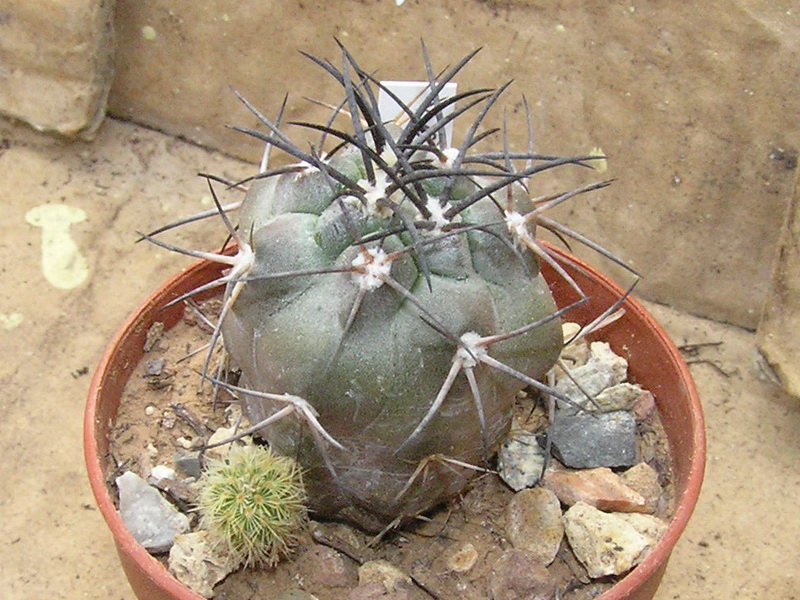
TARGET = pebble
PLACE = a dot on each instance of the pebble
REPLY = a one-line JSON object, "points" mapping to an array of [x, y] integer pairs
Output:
{"points": [[461, 557], [517, 576], [610, 543], [295, 594], [533, 524], [520, 461], [150, 410], [383, 572], [575, 354], [600, 487], [189, 462], [622, 396], [184, 442], [375, 591], [644, 406], [587, 592], [199, 564], [327, 567], [220, 435], [644, 479], [150, 518], [589, 440], [154, 367], [160, 472], [602, 370]]}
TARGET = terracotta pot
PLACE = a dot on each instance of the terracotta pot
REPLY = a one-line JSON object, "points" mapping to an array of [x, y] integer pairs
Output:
{"points": [[654, 362]]}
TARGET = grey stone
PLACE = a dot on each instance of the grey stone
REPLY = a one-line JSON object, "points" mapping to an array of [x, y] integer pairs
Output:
{"points": [[150, 518], [198, 563], [520, 461], [602, 370], [188, 461], [533, 524], [589, 440]]}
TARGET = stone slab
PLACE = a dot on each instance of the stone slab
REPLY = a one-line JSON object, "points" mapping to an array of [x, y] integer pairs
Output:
{"points": [[780, 322], [689, 106], [56, 63]]}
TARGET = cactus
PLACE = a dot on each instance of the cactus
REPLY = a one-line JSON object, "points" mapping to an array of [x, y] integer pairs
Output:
{"points": [[385, 303], [253, 503]]}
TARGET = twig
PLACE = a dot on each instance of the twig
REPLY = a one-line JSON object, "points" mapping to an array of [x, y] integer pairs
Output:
{"points": [[713, 363], [189, 417]]}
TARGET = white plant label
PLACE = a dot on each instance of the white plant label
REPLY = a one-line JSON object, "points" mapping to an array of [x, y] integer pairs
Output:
{"points": [[410, 93]]}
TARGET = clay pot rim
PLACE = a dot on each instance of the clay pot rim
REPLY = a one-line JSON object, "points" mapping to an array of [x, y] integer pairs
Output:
{"points": [[160, 577]]}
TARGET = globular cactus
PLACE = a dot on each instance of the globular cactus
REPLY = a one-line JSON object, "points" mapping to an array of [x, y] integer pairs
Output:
{"points": [[252, 503], [385, 304]]}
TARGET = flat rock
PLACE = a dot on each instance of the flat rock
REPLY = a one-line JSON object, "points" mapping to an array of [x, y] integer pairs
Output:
{"points": [[622, 396], [589, 440], [610, 543], [520, 461], [199, 564], [57, 63], [600, 487], [533, 524], [150, 518], [518, 576]]}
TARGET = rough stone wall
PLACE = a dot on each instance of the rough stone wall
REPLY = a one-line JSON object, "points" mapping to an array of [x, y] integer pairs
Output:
{"points": [[780, 322], [56, 63], [695, 108], [690, 105]]}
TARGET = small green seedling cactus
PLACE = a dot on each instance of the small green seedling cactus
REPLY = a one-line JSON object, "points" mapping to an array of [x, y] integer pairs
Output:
{"points": [[253, 503], [385, 304]]}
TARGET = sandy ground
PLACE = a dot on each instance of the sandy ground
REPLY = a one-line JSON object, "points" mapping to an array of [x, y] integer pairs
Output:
{"points": [[67, 287]]}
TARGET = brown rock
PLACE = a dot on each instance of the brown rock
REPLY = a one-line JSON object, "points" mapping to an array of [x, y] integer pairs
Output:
{"points": [[533, 524], [328, 567], [518, 576], [461, 557], [643, 479], [601, 488]]}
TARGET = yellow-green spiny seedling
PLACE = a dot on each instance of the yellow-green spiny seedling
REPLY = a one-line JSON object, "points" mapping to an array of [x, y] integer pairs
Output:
{"points": [[384, 304], [253, 503]]}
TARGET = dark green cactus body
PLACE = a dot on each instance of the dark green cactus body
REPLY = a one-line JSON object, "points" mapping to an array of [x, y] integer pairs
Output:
{"points": [[385, 305], [372, 361]]}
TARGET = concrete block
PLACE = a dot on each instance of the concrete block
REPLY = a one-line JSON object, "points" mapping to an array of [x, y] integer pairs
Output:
{"points": [[56, 63], [780, 322]]}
